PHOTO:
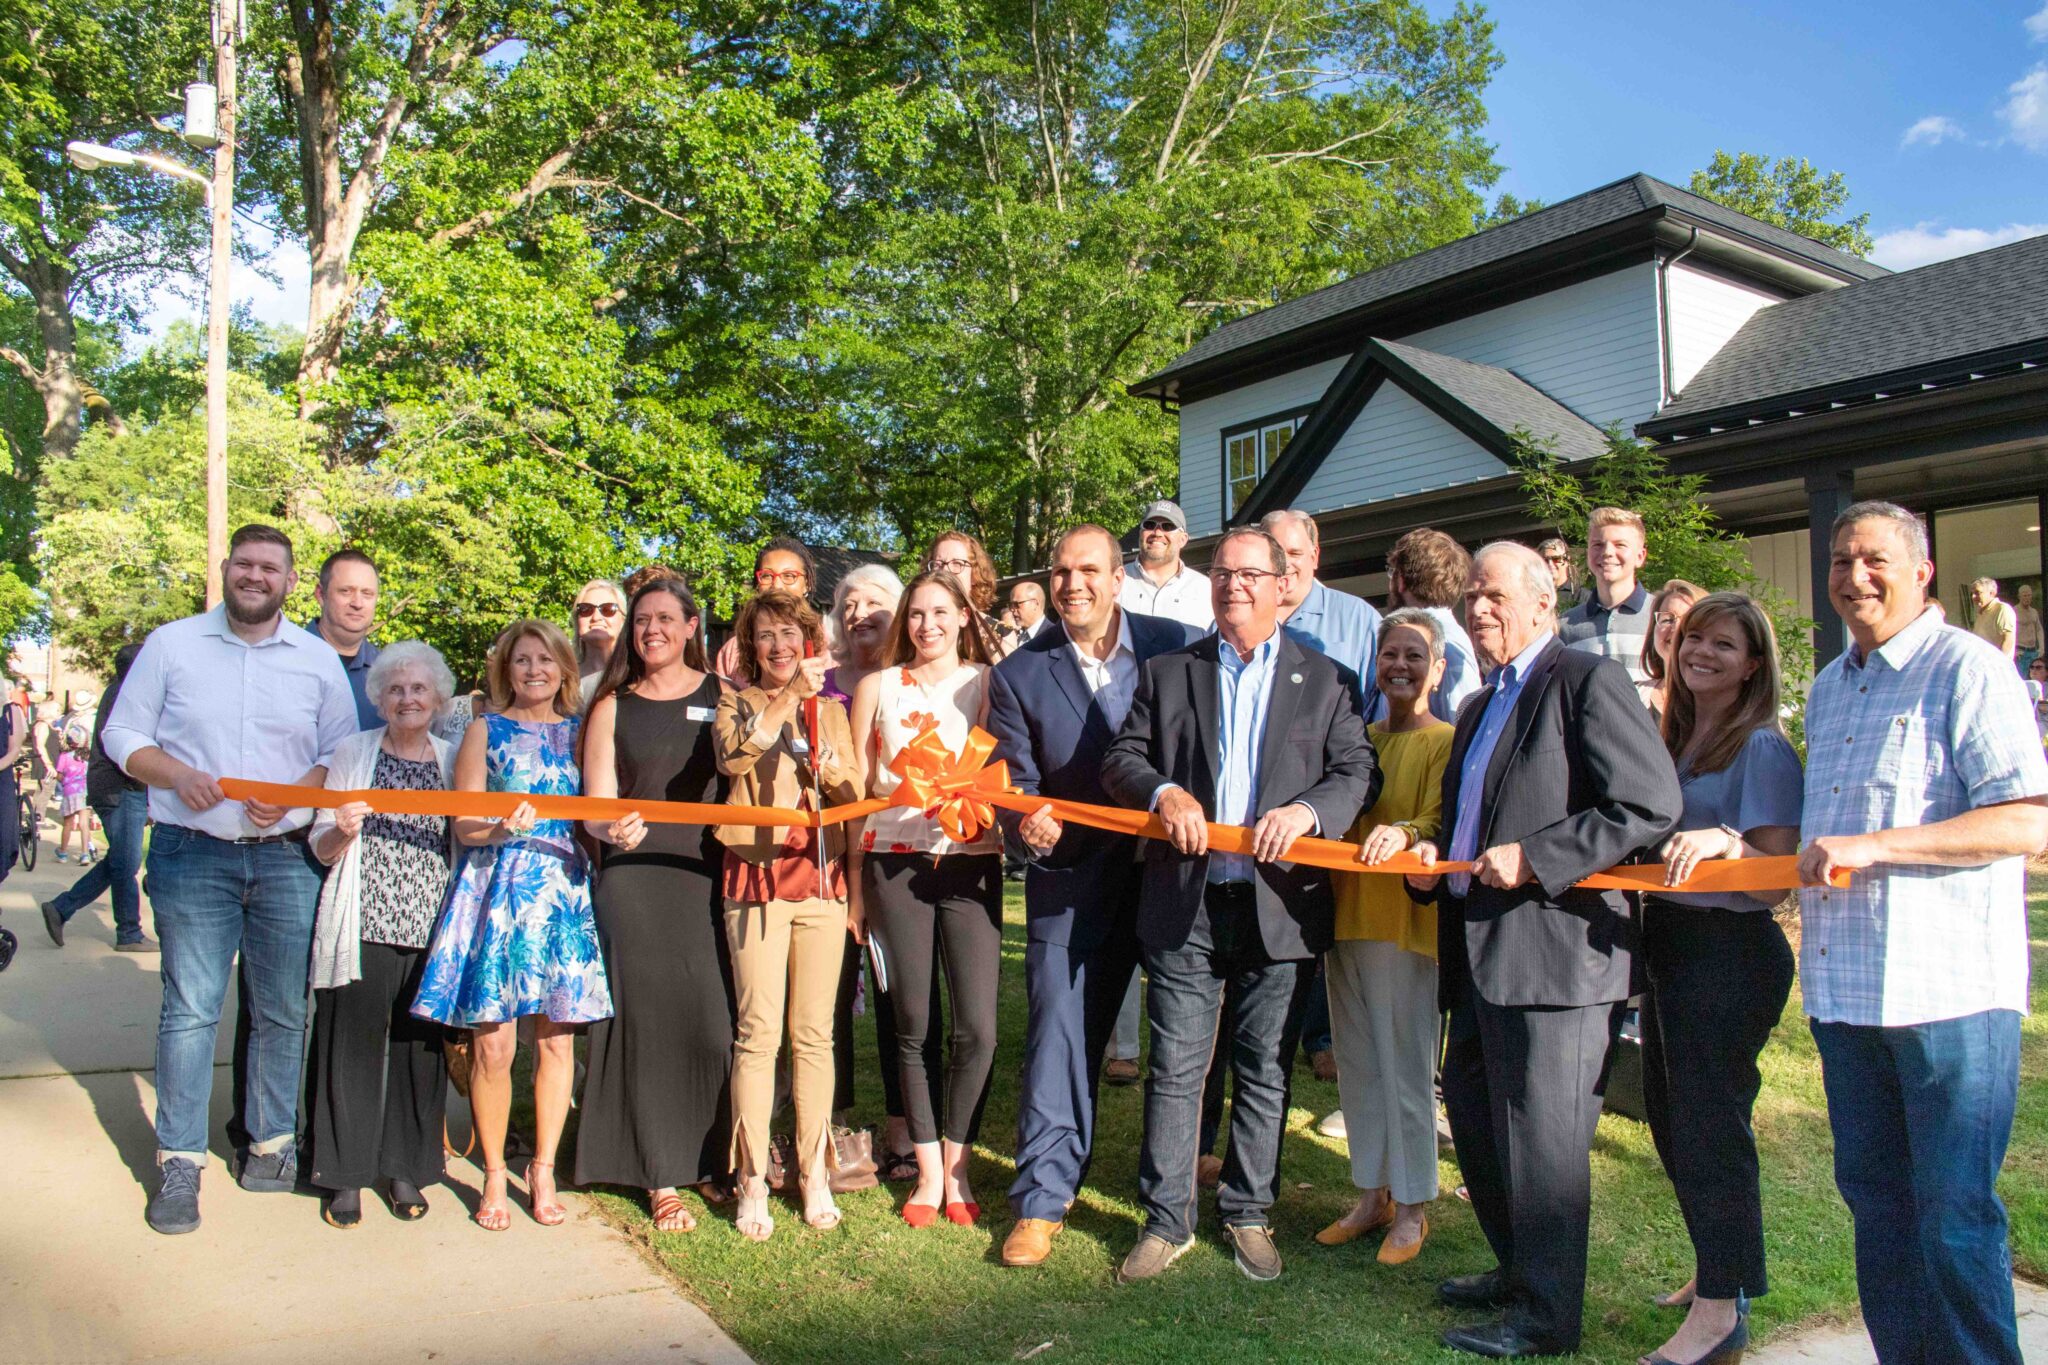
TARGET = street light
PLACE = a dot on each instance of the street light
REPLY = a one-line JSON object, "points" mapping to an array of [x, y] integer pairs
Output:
{"points": [[219, 192]]}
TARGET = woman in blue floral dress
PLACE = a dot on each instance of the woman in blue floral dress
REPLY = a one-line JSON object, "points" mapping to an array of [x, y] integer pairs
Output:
{"points": [[517, 936]]}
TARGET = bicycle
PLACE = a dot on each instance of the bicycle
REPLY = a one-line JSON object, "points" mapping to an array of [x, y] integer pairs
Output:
{"points": [[31, 817]]}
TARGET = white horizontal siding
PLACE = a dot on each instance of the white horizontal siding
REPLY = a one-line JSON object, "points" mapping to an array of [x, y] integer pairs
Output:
{"points": [[1706, 310], [1592, 346], [1203, 422], [1394, 448]]}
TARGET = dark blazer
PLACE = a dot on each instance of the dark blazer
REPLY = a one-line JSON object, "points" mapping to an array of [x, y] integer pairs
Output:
{"points": [[1314, 751], [1052, 734], [1582, 781]]}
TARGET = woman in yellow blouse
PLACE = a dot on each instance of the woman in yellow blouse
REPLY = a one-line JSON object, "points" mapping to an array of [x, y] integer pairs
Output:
{"points": [[1382, 968]]}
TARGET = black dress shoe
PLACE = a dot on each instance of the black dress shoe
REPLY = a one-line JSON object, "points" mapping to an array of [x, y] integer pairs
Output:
{"points": [[1498, 1341], [407, 1201], [1487, 1289]]}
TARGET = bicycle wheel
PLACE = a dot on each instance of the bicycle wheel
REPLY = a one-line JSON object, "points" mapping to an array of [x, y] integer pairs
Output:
{"points": [[31, 833]]}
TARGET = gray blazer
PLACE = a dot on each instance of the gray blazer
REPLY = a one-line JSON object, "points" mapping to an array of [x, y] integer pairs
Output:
{"points": [[1581, 780], [1314, 751]]}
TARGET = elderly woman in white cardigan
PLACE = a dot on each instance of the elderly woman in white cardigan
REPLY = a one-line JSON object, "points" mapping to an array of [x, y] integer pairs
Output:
{"points": [[380, 1077]]}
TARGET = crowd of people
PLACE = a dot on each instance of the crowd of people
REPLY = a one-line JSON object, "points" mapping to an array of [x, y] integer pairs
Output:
{"points": [[1491, 720]]}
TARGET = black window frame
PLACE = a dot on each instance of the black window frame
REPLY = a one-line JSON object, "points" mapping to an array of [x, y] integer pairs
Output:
{"points": [[1295, 415]]}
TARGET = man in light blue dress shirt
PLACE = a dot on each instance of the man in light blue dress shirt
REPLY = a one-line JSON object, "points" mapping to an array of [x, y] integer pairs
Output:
{"points": [[236, 692]]}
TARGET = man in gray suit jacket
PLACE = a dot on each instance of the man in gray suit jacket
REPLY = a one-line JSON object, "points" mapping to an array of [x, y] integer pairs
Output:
{"points": [[1556, 772], [1246, 727]]}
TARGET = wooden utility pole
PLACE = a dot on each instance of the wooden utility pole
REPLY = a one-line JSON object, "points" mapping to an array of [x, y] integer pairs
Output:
{"points": [[226, 21]]}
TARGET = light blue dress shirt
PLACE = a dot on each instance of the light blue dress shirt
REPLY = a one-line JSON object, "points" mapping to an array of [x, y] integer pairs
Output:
{"points": [[1500, 709], [1342, 626], [1461, 671]]}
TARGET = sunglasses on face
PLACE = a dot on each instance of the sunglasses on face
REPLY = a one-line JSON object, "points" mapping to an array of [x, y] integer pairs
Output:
{"points": [[788, 578], [1160, 524], [608, 610]]}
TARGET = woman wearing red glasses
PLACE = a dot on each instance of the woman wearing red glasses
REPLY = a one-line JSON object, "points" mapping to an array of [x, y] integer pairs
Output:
{"points": [[783, 565], [600, 614]]}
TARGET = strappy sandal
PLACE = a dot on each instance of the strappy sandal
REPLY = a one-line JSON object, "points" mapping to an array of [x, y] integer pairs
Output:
{"points": [[553, 1213], [489, 1216], [755, 1228], [898, 1168], [670, 1213]]}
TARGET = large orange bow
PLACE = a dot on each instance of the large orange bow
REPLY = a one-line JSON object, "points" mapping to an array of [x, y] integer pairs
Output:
{"points": [[953, 789]]}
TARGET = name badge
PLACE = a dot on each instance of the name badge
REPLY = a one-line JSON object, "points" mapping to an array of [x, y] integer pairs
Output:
{"points": [[700, 713]]}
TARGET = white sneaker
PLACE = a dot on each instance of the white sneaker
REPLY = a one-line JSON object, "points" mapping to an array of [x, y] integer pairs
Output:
{"points": [[1332, 1125]]}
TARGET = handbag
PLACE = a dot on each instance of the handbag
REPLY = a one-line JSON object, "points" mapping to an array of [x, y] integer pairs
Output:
{"points": [[456, 1049], [850, 1165]]}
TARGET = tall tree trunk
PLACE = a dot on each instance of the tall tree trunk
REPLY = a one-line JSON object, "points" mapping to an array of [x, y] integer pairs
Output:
{"points": [[56, 380]]}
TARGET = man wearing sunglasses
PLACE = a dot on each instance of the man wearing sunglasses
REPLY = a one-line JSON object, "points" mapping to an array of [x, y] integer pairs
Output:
{"points": [[599, 615], [1158, 583]]}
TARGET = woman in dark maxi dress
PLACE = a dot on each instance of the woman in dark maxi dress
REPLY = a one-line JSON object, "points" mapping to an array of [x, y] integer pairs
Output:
{"points": [[656, 1104]]}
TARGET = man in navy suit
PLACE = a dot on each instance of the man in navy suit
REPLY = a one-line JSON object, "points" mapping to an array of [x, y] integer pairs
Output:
{"points": [[1054, 706]]}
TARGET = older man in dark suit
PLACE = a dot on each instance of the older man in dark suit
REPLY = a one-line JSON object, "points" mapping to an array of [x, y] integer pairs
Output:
{"points": [[1249, 727], [1556, 772], [1054, 706]]}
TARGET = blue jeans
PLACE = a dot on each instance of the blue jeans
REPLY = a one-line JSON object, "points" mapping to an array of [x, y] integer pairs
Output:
{"points": [[1921, 1115], [1186, 998], [1315, 1021], [214, 899], [123, 821]]}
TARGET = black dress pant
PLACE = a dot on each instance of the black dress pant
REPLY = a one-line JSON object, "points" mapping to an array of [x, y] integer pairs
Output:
{"points": [[1718, 984], [879, 1005], [1522, 1084], [381, 1077]]}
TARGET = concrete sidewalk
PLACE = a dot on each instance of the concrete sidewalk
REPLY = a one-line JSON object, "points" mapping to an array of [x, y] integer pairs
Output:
{"points": [[83, 1278]]}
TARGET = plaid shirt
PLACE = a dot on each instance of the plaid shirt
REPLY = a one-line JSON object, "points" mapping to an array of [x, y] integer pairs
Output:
{"points": [[1930, 725], [1616, 632]]}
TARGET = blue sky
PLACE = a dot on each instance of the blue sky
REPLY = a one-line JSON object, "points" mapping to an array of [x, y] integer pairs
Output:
{"points": [[1937, 113]]}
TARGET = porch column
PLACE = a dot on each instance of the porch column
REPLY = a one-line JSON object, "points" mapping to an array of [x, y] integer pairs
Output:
{"points": [[1828, 495]]}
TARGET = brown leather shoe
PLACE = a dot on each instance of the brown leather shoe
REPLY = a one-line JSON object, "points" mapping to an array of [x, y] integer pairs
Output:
{"points": [[1030, 1242], [1324, 1065], [1120, 1071], [1209, 1171]]}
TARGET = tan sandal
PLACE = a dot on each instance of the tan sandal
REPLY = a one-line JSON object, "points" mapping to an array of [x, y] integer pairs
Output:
{"points": [[489, 1216], [554, 1212]]}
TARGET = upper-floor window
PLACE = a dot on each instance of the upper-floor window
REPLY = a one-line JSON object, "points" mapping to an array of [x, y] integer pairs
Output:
{"points": [[1250, 450]]}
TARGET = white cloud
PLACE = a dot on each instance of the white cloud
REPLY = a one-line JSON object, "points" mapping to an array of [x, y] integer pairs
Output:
{"points": [[1924, 243], [1932, 131], [2037, 25], [2026, 113]]}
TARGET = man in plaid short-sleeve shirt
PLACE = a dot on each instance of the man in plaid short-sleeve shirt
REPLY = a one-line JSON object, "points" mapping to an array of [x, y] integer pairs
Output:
{"points": [[1925, 780]]}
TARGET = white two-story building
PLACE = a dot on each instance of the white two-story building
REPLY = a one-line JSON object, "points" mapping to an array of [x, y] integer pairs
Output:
{"points": [[1794, 376]]}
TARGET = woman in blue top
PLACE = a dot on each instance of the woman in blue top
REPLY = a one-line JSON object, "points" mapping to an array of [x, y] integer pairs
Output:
{"points": [[1719, 966], [518, 936]]}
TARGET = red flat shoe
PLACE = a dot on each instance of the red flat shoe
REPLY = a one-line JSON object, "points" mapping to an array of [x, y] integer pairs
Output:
{"points": [[920, 1215], [963, 1214]]}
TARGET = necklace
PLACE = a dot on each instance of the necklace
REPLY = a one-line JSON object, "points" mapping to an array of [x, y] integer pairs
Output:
{"points": [[426, 748]]}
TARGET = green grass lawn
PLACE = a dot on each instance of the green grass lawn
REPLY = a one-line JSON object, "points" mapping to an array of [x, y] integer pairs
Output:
{"points": [[874, 1289]]}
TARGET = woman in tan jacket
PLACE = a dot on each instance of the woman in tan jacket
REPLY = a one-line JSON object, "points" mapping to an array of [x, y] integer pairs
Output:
{"points": [[788, 901]]}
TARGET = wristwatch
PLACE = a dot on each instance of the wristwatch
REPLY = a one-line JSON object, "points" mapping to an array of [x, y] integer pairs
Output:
{"points": [[1734, 840]]}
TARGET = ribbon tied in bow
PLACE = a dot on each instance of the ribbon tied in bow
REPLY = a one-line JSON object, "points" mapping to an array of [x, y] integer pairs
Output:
{"points": [[954, 790]]}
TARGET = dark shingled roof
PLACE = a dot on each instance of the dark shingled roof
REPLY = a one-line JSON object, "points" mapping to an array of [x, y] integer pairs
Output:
{"points": [[1602, 207], [1502, 399], [1913, 322]]}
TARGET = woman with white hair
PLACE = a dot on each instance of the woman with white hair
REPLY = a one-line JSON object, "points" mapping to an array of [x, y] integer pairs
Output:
{"points": [[380, 1075], [863, 610]]}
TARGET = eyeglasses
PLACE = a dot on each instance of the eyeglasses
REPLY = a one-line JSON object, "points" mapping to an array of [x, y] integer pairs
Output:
{"points": [[1553, 559], [1249, 577], [1160, 524], [788, 578], [1665, 618], [607, 610], [949, 565]]}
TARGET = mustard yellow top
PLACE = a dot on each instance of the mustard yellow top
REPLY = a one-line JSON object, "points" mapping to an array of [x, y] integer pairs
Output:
{"points": [[1375, 906]]}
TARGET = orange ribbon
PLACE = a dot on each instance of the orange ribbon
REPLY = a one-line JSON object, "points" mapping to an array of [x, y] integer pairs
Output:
{"points": [[959, 791], [962, 791]]}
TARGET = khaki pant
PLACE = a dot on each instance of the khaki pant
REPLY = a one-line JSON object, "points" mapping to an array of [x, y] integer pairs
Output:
{"points": [[786, 958], [1383, 1028]]}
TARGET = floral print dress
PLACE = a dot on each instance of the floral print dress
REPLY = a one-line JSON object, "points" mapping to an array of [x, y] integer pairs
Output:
{"points": [[518, 935]]}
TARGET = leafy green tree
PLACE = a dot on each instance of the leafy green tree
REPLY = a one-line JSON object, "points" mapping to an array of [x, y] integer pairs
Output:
{"points": [[1116, 178], [1788, 192], [1684, 538], [75, 243]]}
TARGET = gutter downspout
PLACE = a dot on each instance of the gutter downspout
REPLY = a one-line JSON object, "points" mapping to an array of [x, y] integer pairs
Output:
{"points": [[1664, 314]]}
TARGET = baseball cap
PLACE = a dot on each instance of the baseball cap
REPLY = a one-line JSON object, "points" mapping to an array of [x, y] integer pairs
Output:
{"points": [[1164, 508]]}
